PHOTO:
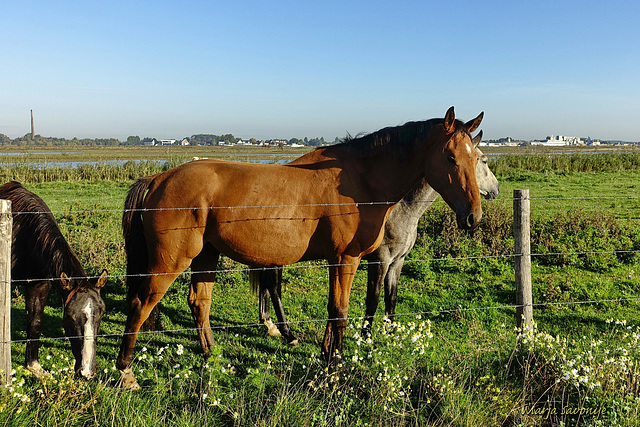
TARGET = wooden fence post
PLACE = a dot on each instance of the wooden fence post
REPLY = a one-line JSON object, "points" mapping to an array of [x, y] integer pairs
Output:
{"points": [[522, 236], [6, 222]]}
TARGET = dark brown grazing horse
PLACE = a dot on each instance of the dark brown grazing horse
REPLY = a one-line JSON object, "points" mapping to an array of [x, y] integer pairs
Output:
{"points": [[40, 257], [330, 204]]}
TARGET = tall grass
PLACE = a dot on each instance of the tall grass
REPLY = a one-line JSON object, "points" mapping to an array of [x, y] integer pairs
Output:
{"points": [[130, 170], [567, 162]]}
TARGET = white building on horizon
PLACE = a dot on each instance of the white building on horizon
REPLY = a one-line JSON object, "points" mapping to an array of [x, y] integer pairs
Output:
{"points": [[560, 140]]}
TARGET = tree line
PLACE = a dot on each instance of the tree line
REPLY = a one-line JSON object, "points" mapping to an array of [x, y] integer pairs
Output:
{"points": [[199, 139]]}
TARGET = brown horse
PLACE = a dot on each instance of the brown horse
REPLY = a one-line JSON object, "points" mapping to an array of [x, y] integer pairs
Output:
{"points": [[330, 204]]}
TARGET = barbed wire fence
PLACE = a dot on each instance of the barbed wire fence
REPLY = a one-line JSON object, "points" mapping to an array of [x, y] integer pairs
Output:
{"points": [[6, 341]]}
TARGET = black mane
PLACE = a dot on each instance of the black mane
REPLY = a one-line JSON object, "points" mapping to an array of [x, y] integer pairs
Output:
{"points": [[39, 250], [397, 141]]}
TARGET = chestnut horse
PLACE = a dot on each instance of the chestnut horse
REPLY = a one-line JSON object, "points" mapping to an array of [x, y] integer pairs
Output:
{"points": [[385, 263], [40, 258], [330, 204]]}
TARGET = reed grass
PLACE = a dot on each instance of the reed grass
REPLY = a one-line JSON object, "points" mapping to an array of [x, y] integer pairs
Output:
{"points": [[566, 163], [510, 166]]}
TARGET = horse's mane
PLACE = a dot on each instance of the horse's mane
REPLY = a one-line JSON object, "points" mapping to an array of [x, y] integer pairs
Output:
{"points": [[397, 140], [38, 230]]}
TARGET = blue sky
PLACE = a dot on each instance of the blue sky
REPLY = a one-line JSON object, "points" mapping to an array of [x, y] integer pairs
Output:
{"points": [[284, 69]]}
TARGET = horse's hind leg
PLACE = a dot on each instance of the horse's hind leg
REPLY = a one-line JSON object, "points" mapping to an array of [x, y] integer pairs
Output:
{"points": [[271, 282], [202, 278], [36, 298], [264, 297]]}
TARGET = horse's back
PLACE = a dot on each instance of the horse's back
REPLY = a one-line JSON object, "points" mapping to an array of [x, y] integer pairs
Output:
{"points": [[38, 246], [256, 214]]}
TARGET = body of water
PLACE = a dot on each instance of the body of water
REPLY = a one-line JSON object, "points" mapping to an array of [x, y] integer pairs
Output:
{"points": [[47, 164]]}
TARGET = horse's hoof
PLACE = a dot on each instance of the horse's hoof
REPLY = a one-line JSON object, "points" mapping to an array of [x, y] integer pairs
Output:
{"points": [[272, 329], [38, 371], [128, 380], [293, 343]]}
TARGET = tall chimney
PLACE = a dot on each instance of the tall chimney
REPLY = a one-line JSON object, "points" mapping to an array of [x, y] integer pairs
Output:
{"points": [[32, 130]]}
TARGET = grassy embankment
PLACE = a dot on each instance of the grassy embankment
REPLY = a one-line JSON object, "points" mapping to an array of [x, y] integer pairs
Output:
{"points": [[452, 359]]}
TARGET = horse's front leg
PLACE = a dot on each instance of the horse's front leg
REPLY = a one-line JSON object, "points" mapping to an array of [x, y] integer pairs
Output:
{"points": [[340, 280], [144, 294], [202, 279], [376, 273], [391, 287], [36, 298]]}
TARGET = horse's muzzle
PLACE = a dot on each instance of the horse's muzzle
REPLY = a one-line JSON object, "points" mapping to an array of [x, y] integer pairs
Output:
{"points": [[469, 221], [490, 195]]}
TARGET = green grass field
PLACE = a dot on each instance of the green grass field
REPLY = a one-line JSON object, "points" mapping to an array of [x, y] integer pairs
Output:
{"points": [[453, 357]]}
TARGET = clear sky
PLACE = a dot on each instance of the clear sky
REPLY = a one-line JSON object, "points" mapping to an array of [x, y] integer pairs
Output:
{"points": [[284, 69]]}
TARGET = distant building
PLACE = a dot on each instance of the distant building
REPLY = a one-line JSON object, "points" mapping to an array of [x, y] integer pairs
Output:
{"points": [[559, 140], [277, 141], [167, 142]]}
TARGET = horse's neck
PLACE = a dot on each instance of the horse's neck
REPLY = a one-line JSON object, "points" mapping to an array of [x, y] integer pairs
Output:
{"points": [[386, 178], [418, 200], [64, 260], [421, 192], [379, 177]]}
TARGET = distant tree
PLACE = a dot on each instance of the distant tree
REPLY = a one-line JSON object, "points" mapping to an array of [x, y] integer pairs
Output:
{"points": [[4, 139], [204, 139], [133, 140], [229, 139], [314, 142]]}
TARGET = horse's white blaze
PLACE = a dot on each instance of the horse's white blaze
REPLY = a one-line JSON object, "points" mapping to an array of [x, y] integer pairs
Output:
{"points": [[88, 347], [469, 150]]}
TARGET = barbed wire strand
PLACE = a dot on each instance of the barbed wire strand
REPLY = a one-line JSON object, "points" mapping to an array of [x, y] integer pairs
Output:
{"points": [[356, 204], [323, 320], [321, 265]]}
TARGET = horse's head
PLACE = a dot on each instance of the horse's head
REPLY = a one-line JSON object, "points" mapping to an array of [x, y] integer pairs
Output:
{"points": [[451, 168], [487, 182], [83, 311]]}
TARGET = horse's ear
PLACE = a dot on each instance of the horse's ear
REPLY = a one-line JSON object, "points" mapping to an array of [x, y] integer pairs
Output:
{"points": [[476, 140], [102, 280], [65, 282], [450, 121], [475, 123]]}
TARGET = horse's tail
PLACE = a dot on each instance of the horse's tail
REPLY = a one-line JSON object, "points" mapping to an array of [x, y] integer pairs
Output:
{"points": [[271, 277], [135, 244], [254, 280]]}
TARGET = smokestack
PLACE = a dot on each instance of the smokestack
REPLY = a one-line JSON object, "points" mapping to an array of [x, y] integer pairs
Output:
{"points": [[32, 130]]}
